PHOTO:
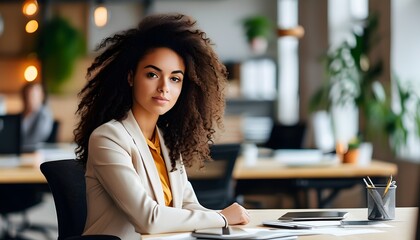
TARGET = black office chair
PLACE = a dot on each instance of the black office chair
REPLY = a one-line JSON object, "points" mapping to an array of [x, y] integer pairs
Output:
{"points": [[216, 189], [286, 136], [53, 137], [417, 237], [67, 183]]}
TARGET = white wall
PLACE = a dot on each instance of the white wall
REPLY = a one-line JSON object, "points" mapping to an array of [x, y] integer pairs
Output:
{"points": [[221, 20], [405, 40], [121, 16]]}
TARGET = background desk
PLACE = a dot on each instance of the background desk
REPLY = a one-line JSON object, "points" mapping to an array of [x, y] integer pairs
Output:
{"points": [[268, 176], [28, 172], [404, 225]]}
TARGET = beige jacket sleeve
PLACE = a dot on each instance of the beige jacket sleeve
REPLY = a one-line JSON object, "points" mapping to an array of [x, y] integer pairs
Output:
{"points": [[124, 192]]}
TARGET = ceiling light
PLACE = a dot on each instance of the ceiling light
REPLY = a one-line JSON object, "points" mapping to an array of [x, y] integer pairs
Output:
{"points": [[30, 7], [30, 74], [100, 15], [31, 26]]}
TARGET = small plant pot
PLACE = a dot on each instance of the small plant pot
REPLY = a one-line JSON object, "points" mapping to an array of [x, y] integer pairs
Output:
{"points": [[351, 156], [259, 45]]}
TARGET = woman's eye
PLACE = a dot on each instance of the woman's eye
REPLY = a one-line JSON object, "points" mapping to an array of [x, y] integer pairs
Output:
{"points": [[176, 79], [151, 75]]}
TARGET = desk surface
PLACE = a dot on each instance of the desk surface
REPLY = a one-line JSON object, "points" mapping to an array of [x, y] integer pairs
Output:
{"points": [[270, 169], [404, 225], [265, 168]]}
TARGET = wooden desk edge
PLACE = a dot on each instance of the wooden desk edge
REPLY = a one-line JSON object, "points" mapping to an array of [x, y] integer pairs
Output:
{"points": [[264, 170]]}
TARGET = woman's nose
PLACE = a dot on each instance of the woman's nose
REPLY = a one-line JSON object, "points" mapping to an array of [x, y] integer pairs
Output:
{"points": [[163, 87]]}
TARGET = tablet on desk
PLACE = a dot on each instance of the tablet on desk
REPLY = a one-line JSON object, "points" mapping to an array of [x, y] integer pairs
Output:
{"points": [[313, 215]]}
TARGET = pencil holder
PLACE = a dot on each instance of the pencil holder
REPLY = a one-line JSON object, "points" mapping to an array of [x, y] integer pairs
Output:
{"points": [[381, 202]]}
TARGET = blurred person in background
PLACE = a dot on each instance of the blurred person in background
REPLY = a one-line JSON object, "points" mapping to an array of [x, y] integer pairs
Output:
{"points": [[37, 118]]}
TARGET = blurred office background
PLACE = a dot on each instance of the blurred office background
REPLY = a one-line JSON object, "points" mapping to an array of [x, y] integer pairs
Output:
{"points": [[265, 88]]}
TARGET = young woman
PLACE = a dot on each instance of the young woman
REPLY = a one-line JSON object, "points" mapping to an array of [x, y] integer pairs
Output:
{"points": [[150, 107]]}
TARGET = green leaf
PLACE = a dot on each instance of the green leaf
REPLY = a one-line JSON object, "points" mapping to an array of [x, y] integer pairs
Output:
{"points": [[59, 45]]}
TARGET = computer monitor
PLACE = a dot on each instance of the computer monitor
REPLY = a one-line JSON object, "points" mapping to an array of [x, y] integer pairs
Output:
{"points": [[10, 134]]}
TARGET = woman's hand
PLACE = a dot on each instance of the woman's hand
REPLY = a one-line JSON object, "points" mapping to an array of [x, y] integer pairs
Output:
{"points": [[236, 214]]}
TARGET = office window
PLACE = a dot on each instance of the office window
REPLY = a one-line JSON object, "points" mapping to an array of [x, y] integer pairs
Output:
{"points": [[405, 52]]}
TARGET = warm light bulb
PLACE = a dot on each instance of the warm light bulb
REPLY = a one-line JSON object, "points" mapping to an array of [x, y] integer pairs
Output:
{"points": [[31, 72], [30, 7], [100, 16], [31, 26]]}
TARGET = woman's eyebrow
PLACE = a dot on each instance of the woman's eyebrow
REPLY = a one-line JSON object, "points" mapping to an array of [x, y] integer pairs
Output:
{"points": [[178, 71], [154, 67], [160, 70]]}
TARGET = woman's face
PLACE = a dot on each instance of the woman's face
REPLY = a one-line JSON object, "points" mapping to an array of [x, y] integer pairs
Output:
{"points": [[34, 98], [157, 82]]}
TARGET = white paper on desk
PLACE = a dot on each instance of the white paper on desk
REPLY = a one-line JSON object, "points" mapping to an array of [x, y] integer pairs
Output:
{"points": [[339, 231], [298, 157], [319, 223], [237, 233], [179, 236], [10, 161]]}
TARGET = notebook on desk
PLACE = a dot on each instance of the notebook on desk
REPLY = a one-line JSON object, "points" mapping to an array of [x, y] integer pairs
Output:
{"points": [[10, 142]]}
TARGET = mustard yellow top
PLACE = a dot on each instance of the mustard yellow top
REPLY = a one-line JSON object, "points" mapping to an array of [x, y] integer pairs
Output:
{"points": [[154, 146]]}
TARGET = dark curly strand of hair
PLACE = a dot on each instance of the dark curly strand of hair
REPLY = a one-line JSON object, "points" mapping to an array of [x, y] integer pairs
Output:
{"points": [[189, 126]]}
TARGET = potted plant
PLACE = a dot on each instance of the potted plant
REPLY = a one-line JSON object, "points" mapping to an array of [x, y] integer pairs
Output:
{"points": [[58, 46], [258, 30], [352, 79], [399, 121], [350, 153]]}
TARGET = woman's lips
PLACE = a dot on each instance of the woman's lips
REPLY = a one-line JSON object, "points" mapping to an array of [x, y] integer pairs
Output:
{"points": [[161, 100]]}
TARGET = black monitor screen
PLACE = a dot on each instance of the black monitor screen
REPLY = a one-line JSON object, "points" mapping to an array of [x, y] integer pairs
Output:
{"points": [[10, 134]]}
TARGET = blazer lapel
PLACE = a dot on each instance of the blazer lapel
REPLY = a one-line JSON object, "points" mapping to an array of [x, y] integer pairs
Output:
{"points": [[134, 130]]}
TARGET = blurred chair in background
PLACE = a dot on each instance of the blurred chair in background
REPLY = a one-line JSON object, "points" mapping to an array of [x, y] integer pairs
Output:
{"points": [[214, 185], [53, 137], [418, 204], [18, 199]]}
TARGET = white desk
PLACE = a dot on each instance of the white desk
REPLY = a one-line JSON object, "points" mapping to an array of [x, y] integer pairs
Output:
{"points": [[404, 226]]}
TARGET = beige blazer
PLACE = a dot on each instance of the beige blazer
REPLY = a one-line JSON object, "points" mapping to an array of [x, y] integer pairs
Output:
{"points": [[124, 192]]}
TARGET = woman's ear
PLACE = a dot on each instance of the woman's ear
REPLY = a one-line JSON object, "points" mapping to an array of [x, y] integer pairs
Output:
{"points": [[130, 79]]}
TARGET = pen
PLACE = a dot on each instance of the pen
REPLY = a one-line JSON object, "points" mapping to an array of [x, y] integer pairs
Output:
{"points": [[289, 225], [387, 186]]}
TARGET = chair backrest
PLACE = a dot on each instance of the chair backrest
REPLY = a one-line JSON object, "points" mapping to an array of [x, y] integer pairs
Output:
{"points": [[417, 237], [10, 134], [53, 137], [67, 184], [213, 185], [286, 136]]}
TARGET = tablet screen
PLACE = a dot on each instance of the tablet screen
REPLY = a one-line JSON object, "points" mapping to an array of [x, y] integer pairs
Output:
{"points": [[313, 215]]}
